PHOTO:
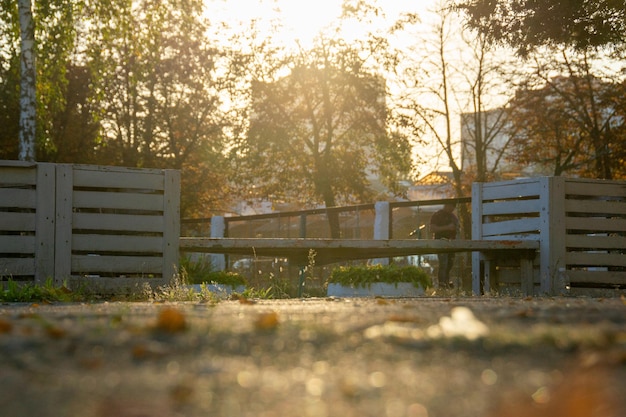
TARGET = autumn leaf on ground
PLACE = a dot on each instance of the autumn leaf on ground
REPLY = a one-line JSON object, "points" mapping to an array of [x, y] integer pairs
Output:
{"points": [[171, 320], [266, 321], [5, 326], [55, 332]]}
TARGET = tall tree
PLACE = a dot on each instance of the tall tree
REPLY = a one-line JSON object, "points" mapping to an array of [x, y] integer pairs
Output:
{"points": [[570, 122], [154, 75], [318, 126], [28, 87], [45, 35]]}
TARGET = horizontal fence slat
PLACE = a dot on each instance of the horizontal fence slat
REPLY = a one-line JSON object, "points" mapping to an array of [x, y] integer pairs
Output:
{"points": [[125, 178], [512, 207], [14, 176], [17, 244], [595, 188], [16, 267], [118, 222], [597, 241], [597, 277], [116, 200], [595, 207], [595, 259], [510, 189], [85, 264], [106, 243], [528, 225], [527, 236], [596, 224], [18, 198], [17, 222]]}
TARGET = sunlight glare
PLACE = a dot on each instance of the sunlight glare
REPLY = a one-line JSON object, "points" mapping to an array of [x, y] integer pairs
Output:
{"points": [[304, 20], [301, 21]]}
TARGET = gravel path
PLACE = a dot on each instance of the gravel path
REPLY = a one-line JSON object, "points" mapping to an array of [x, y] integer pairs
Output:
{"points": [[323, 357]]}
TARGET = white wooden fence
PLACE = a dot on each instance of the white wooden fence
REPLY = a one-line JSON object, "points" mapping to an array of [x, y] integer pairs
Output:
{"points": [[579, 223], [105, 227]]}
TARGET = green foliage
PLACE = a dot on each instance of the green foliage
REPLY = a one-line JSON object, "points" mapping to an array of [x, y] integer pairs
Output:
{"points": [[365, 275], [28, 292], [226, 278], [525, 24], [201, 271]]}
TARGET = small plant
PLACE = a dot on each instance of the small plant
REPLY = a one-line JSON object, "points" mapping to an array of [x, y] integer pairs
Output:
{"points": [[201, 271], [232, 279], [14, 291], [366, 275], [195, 271]]}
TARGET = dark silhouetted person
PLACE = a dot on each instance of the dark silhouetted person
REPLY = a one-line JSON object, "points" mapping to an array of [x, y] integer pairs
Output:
{"points": [[444, 225]]}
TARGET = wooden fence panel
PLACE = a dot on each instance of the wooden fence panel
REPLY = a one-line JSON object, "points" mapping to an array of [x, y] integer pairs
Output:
{"points": [[18, 199], [107, 226], [595, 233], [580, 224]]}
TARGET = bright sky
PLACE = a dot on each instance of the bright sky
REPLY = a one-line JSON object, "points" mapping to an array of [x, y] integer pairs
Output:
{"points": [[302, 19]]}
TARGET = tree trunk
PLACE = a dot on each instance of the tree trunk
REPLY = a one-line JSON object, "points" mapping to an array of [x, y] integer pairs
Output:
{"points": [[28, 109]]}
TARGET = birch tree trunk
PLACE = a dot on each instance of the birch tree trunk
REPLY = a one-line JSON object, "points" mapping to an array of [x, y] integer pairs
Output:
{"points": [[28, 112]]}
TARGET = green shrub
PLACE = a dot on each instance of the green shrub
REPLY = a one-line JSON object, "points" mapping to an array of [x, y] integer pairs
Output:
{"points": [[365, 275]]}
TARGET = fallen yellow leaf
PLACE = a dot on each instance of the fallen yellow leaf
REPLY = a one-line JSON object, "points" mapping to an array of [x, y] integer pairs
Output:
{"points": [[171, 320], [267, 321]]}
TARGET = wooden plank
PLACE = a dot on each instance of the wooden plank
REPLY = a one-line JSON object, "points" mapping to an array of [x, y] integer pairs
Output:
{"points": [[526, 273], [115, 177], [525, 236], [510, 189], [116, 285], [552, 234], [117, 200], [17, 267], [17, 244], [510, 207], [123, 265], [596, 224], [596, 188], [332, 250], [595, 241], [118, 222], [63, 225], [597, 277], [527, 225], [595, 259], [117, 243], [46, 223], [171, 224], [17, 176], [595, 207], [17, 222], [18, 198], [477, 234], [11, 163]]}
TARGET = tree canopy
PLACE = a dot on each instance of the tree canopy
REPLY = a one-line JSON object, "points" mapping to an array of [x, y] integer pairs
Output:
{"points": [[525, 24]]}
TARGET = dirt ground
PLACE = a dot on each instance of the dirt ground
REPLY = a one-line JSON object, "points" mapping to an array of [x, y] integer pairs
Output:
{"points": [[323, 357]]}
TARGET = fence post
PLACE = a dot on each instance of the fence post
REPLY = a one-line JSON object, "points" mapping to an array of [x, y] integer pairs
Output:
{"points": [[218, 226], [63, 228], [171, 231], [552, 233], [477, 225], [44, 229], [381, 226]]}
